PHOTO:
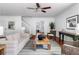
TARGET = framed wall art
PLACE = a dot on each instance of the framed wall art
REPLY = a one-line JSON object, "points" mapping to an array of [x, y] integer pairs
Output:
{"points": [[11, 25], [71, 22]]}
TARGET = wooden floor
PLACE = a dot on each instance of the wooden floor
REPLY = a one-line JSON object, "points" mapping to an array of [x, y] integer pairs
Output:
{"points": [[59, 41]]}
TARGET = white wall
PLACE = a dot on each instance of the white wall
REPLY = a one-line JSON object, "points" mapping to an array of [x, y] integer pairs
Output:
{"points": [[5, 19], [61, 18], [27, 26], [33, 20]]}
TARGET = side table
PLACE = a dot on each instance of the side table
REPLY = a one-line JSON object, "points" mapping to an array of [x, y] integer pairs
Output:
{"points": [[2, 49]]}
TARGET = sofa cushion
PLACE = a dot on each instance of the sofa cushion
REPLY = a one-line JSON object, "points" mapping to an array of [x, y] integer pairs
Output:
{"points": [[24, 35], [9, 37], [16, 43], [16, 36]]}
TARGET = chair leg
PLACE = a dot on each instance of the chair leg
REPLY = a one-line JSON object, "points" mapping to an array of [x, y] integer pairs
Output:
{"points": [[49, 46], [34, 46]]}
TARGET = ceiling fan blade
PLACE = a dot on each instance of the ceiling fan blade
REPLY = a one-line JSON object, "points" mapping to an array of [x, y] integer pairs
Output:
{"points": [[46, 8], [43, 11], [30, 8], [38, 5]]}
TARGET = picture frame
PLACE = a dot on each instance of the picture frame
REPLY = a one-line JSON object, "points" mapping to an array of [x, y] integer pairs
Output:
{"points": [[11, 25], [71, 22]]}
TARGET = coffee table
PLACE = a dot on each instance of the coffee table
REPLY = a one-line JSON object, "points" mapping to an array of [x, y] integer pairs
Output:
{"points": [[42, 42]]}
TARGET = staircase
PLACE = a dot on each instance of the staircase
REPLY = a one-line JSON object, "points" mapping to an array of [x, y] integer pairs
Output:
{"points": [[28, 27]]}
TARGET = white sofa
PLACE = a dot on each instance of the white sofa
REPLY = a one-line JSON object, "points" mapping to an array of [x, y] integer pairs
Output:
{"points": [[16, 42]]}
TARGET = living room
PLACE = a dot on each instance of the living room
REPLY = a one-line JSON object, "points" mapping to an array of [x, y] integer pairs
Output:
{"points": [[20, 21]]}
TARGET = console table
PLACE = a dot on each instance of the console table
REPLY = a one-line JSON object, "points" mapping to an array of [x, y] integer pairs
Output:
{"points": [[73, 35]]}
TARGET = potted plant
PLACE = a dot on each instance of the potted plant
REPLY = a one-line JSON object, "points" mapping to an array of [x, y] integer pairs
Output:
{"points": [[52, 26]]}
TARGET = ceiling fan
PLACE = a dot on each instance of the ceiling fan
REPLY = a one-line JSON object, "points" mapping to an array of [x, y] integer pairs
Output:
{"points": [[39, 7]]}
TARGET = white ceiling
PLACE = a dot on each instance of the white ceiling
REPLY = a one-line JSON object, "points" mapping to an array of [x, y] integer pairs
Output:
{"points": [[20, 9]]}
